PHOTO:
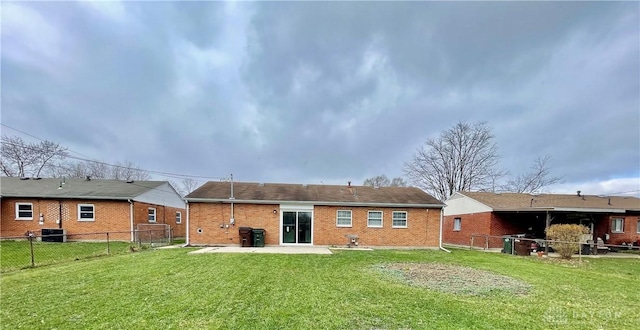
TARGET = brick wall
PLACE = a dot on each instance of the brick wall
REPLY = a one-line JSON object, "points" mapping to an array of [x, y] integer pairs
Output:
{"points": [[209, 222], [470, 224], [629, 233], [485, 223], [110, 216], [422, 227], [208, 225], [164, 215]]}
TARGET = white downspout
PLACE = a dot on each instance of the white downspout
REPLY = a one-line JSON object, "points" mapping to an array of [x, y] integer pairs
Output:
{"points": [[232, 221], [131, 219], [187, 237], [441, 247]]}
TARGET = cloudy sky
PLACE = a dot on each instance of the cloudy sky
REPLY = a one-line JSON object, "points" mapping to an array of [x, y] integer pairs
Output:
{"points": [[327, 92]]}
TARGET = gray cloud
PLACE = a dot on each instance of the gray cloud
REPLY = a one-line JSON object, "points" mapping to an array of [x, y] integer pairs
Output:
{"points": [[309, 92]]}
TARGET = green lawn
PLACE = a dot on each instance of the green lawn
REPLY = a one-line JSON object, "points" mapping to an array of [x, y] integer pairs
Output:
{"points": [[16, 255], [169, 289]]}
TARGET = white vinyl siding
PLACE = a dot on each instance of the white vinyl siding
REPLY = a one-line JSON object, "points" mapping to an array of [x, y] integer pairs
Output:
{"points": [[24, 211], [86, 212], [374, 219], [617, 225], [343, 218], [152, 214], [399, 219]]}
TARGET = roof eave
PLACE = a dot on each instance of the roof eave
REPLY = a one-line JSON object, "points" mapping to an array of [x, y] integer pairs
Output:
{"points": [[71, 197], [560, 209], [247, 201]]}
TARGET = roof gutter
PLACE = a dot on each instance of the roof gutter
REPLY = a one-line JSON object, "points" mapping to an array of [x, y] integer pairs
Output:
{"points": [[249, 201], [69, 197], [440, 244], [560, 209]]}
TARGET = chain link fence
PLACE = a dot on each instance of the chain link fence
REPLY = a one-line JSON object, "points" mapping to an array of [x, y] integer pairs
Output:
{"points": [[33, 250], [518, 245]]}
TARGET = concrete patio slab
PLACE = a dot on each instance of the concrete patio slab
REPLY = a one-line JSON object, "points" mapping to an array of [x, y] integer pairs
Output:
{"points": [[266, 249]]}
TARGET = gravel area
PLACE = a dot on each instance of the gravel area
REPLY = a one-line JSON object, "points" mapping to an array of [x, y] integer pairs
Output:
{"points": [[454, 279]]}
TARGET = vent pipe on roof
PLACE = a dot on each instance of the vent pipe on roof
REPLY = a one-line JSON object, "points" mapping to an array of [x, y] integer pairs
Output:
{"points": [[348, 183], [88, 178], [609, 203], [579, 193]]}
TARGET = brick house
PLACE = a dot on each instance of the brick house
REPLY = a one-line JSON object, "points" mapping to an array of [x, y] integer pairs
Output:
{"points": [[616, 219], [323, 215], [88, 206]]}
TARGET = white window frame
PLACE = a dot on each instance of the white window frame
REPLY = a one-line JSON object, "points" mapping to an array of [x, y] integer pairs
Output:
{"points": [[614, 228], [178, 217], [457, 224], [155, 215], [93, 212], [393, 219], [18, 217], [638, 226], [369, 219], [343, 218]]}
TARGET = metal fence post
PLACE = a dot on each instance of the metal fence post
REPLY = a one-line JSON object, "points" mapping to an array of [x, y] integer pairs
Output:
{"points": [[486, 242], [150, 237], [108, 246], [471, 243], [33, 263]]}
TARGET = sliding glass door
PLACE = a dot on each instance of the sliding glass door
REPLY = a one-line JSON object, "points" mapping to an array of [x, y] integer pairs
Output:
{"points": [[296, 227]]}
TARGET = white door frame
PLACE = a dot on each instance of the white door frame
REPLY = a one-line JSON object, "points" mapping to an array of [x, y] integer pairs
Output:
{"points": [[295, 208]]}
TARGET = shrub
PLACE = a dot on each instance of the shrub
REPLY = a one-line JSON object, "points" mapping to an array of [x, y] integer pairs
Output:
{"points": [[569, 235]]}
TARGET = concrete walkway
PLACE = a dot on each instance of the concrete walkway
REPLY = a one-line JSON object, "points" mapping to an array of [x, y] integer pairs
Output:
{"points": [[266, 249]]}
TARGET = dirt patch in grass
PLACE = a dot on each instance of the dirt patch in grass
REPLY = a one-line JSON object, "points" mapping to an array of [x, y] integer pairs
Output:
{"points": [[455, 279]]}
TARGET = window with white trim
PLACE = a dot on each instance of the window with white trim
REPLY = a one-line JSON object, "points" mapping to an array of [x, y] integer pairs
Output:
{"points": [[178, 217], [399, 219], [152, 214], [86, 212], [617, 225], [24, 211], [638, 227], [343, 218], [457, 224], [374, 219]]}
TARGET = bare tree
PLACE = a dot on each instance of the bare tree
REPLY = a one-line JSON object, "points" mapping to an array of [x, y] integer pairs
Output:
{"points": [[377, 181], [102, 170], [383, 181], [398, 182], [83, 169], [187, 186], [462, 158], [535, 180], [128, 171], [20, 158]]}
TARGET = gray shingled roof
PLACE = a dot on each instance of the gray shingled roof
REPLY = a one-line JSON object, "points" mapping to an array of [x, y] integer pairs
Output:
{"points": [[74, 188], [317, 194], [516, 201]]}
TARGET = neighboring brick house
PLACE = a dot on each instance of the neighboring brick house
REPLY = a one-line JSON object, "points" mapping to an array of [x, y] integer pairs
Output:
{"points": [[323, 215], [88, 206], [613, 218]]}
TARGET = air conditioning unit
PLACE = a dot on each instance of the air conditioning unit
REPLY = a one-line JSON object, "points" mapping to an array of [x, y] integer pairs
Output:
{"points": [[58, 235]]}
